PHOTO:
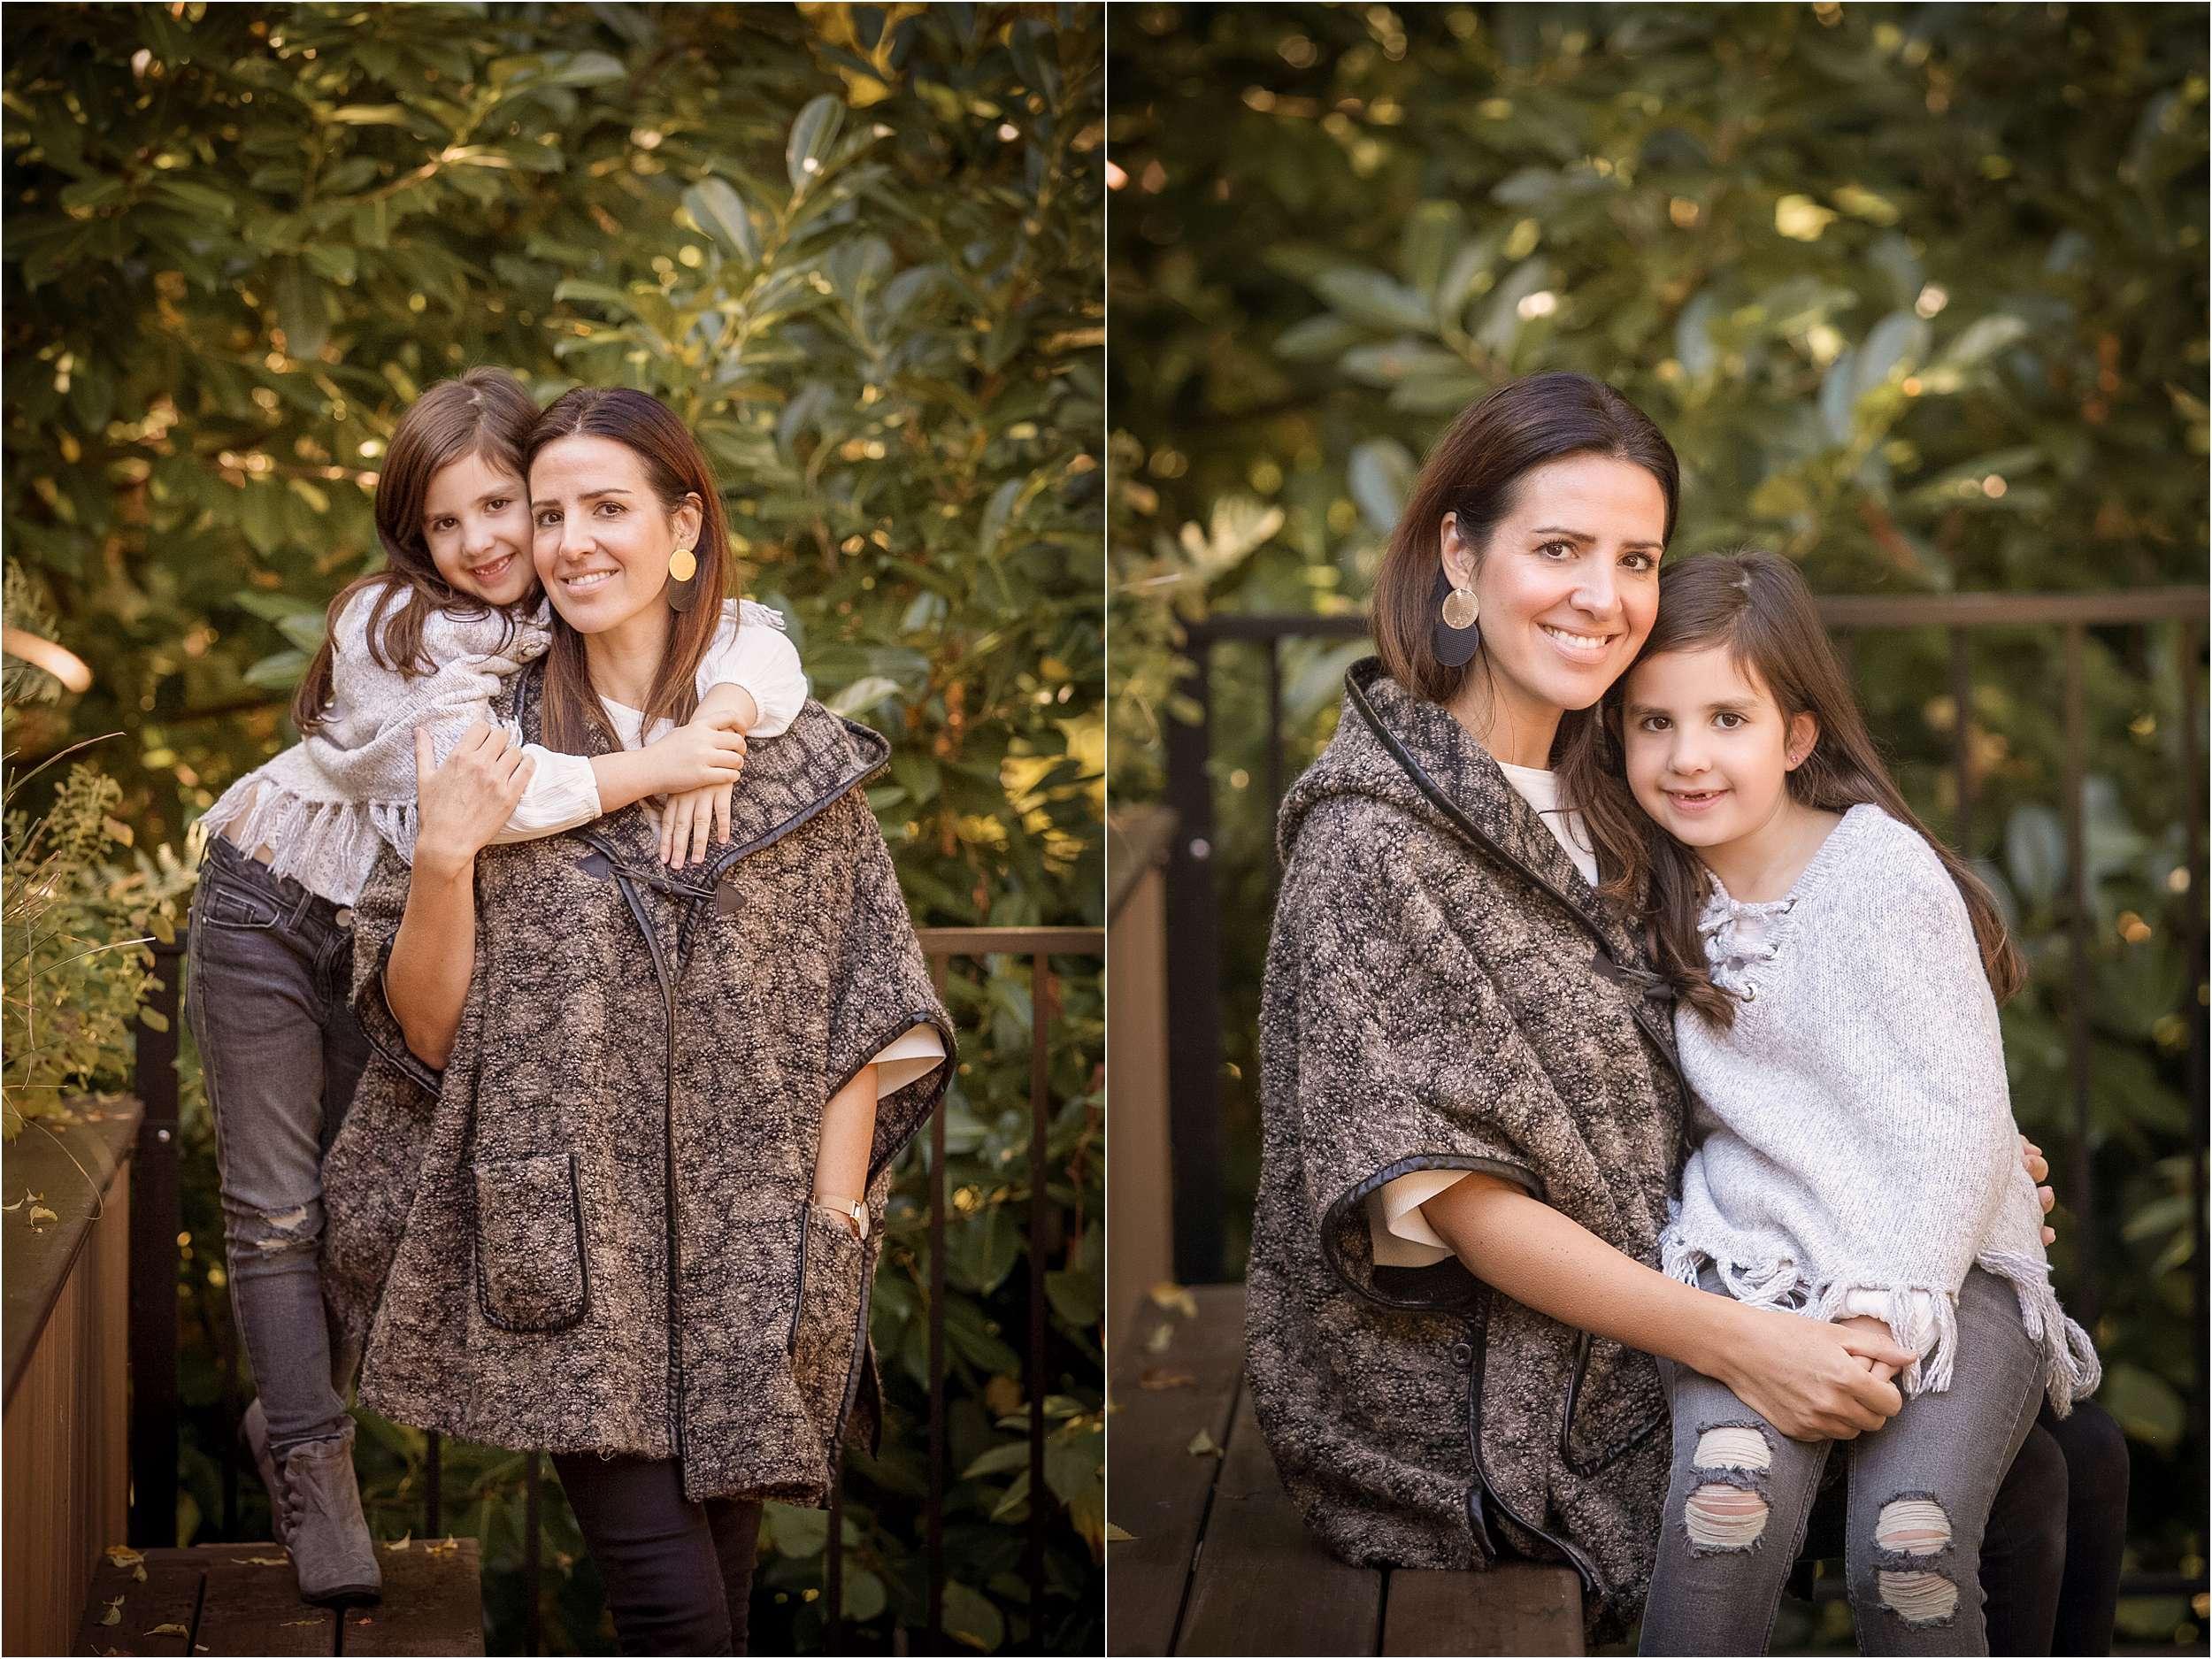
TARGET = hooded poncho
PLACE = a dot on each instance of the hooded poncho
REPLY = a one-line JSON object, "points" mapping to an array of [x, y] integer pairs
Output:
{"points": [[1853, 1132], [593, 1230], [1444, 991]]}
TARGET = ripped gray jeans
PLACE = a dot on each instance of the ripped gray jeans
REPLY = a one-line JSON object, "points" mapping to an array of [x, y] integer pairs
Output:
{"points": [[1920, 1489], [268, 994]]}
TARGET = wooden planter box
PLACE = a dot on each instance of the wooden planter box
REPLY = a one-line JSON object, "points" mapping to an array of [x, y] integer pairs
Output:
{"points": [[66, 1486]]}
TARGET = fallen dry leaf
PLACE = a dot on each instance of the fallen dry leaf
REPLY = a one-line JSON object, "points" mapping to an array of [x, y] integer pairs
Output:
{"points": [[295, 1624], [1115, 1535], [1201, 1445], [1172, 1297], [139, 1573], [1157, 1342], [114, 1614], [447, 1548], [405, 1540], [1158, 1377], [39, 1212], [124, 1556], [169, 1630], [260, 1561]]}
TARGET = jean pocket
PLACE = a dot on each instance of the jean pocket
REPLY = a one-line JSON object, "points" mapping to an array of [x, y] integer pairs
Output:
{"points": [[222, 903], [532, 1271]]}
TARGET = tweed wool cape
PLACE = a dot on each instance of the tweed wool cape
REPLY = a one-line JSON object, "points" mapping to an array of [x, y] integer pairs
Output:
{"points": [[1444, 991], [593, 1232]]}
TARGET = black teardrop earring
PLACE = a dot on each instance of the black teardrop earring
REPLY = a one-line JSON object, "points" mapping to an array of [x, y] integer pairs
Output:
{"points": [[1457, 636]]}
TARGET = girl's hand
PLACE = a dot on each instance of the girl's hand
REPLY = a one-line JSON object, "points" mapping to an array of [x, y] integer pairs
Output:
{"points": [[2039, 1171], [461, 805], [1811, 1380], [691, 820], [707, 750], [1872, 1326]]}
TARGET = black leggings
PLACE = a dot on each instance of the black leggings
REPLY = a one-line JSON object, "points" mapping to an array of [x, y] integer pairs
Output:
{"points": [[678, 1574]]}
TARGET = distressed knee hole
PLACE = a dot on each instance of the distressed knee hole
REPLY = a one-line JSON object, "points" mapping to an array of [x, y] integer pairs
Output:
{"points": [[1733, 1446], [1913, 1526], [1919, 1598], [297, 1228], [1724, 1518]]}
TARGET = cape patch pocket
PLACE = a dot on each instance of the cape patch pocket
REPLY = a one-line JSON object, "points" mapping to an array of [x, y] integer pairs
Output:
{"points": [[825, 1323], [532, 1270]]}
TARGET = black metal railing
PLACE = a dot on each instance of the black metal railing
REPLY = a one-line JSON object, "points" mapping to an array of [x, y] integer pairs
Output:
{"points": [[156, 1223], [1195, 1076]]}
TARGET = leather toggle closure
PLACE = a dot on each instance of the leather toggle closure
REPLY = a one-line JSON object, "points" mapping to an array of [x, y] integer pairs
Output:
{"points": [[1657, 987]]}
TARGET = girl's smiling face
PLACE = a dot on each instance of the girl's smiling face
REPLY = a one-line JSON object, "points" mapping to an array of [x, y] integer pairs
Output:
{"points": [[476, 523], [603, 539], [1709, 751]]}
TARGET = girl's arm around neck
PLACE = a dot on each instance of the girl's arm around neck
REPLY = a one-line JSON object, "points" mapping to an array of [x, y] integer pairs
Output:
{"points": [[1809, 1380]]}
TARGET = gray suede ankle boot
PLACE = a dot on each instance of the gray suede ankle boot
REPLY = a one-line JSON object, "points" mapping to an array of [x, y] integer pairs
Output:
{"points": [[324, 1527], [253, 1434]]}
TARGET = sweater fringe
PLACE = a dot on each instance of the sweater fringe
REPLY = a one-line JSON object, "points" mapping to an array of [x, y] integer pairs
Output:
{"points": [[311, 841], [1925, 1323]]}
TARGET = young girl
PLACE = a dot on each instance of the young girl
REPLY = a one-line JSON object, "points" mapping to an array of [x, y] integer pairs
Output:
{"points": [[424, 643], [1839, 972]]}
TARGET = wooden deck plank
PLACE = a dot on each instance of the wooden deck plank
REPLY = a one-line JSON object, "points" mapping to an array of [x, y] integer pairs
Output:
{"points": [[1515, 1608], [170, 1595], [1264, 1584], [252, 1605], [433, 1603], [1157, 1490]]}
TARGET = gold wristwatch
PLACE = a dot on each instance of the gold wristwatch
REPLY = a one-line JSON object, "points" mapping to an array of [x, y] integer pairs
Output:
{"points": [[844, 1208]]}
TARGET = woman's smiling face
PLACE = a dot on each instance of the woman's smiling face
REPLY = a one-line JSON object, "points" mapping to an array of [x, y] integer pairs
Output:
{"points": [[602, 538], [1568, 581]]}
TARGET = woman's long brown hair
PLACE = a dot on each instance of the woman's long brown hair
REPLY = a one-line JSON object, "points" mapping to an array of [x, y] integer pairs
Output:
{"points": [[675, 467], [485, 413], [1473, 471], [1757, 605]]}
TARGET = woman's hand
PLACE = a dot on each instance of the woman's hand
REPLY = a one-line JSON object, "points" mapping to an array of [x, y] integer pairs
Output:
{"points": [[2038, 1169], [461, 805], [704, 748], [1811, 1380]]}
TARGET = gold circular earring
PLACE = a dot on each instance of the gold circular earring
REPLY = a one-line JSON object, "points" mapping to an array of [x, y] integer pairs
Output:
{"points": [[683, 564], [1461, 609]]}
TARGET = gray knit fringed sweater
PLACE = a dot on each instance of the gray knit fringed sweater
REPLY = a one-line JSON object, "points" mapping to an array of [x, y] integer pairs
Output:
{"points": [[1445, 992], [1854, 1130]]}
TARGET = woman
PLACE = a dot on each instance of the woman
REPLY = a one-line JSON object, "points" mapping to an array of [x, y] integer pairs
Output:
{"points": [[612, 1185], [1469, 1063]]}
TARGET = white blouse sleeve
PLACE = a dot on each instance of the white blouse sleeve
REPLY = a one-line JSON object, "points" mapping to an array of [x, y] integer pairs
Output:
{"points": [[915, 1052], [563, 792], [1400, 1232], [759, 660]]}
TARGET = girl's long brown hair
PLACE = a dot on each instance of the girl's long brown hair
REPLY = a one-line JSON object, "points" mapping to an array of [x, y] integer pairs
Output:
{"points": [[675, 467], [1473, 471], [1757, 605], [485, 413]]}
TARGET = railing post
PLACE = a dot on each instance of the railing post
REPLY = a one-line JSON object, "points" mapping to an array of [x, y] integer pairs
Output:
{"points": [[1193, 1016], [2084, 1195], [1040, 1216], [157, 1216], [933, 1632]]}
